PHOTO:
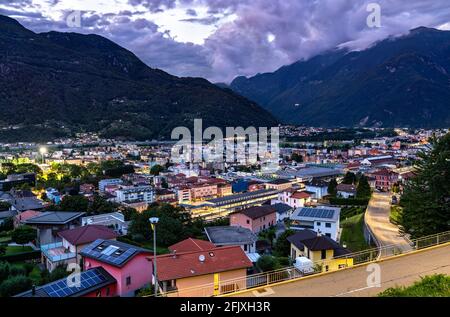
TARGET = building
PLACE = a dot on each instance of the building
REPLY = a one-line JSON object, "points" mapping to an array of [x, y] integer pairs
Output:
{"points": [[87, 189], [105, 182], [230, 235], [17, 180], [256, 218], [324, 220], [20, 219], [49, 223], [279, 184], [114, 220], [385, 179], [318, 188], [53, 195], [73, 241], [320, 249], [96, 282], [191, 244], [346, 190], [283, 211], [144, 194], [294, 198], [203, 272], [127, 264]]}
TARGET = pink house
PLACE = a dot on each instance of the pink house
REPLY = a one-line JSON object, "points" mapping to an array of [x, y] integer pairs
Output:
{"points": [[256, 218], [127, 264]]}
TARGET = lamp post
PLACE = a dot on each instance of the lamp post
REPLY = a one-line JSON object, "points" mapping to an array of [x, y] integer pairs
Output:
{"points": [[153, 222], [43, 150]]}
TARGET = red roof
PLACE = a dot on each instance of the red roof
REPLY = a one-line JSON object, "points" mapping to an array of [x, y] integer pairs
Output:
{"points": [[190, 245], [188, 264], [87, 234], [300, 195], [27, 215]]}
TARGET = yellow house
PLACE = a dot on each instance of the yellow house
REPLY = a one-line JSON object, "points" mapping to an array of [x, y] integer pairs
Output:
{"points": [[320, 249]]}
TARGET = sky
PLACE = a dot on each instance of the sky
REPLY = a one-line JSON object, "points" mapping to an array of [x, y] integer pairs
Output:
{"points": [[222, 39]]}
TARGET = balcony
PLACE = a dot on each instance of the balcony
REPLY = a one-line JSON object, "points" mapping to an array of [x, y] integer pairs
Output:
{"points": [[56, 252]]}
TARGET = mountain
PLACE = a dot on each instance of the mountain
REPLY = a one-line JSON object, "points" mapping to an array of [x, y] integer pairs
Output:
{"points": [[53, 84], [402, 81]]}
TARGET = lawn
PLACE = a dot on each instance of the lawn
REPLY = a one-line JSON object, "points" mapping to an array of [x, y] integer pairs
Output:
{"points": [[428, 286], [353, 233], [17, 249], [396, 213], [351, 211]]}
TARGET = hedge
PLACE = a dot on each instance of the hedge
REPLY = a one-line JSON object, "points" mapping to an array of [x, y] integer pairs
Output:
{"points": [[24, 256], [349, 201]]}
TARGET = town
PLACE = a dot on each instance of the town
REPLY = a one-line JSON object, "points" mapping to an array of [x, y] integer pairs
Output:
{"points": [[123, 219]]}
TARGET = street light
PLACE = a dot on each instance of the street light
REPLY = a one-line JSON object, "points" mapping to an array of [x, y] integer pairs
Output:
{"points": [[153, 222], [43, 150]]}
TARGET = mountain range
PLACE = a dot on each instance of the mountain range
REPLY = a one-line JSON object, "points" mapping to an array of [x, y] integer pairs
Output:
{"points": [[398, 82], [54, 84]]}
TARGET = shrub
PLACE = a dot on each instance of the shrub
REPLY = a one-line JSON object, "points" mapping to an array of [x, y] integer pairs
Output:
{"points": [[4, 271], [15, 285], [267, 263], [15, 270]]}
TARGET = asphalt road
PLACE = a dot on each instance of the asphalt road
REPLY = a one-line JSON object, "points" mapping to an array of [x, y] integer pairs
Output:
{"points": [[377, 218], [403, 270]]}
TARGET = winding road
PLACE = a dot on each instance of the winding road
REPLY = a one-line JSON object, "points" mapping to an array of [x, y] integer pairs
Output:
{"points": [[386, 233]]}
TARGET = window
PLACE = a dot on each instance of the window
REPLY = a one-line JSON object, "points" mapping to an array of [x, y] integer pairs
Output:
{"points": [[328, 225], [245, 247], [328, 235], [319, 224], [248, 221], [323, 254], [128, 281]]}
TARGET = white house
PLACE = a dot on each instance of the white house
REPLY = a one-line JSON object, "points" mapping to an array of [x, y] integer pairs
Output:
{"points": [[105, 182], [321, 219], [294, 198], [346, 190], [136, 194], [318, 188]]}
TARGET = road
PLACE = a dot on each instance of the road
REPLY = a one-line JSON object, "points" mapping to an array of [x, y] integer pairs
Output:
{"points": [[377, 218], [402, 270]]}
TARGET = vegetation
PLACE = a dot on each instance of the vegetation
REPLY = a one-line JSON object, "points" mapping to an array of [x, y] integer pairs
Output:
{"points": [[297, 158], [349, 178], [267, 263], [282, 247], [156, 169], [363, 189], [428, 286], [332, 188], [426, 197], [347, 212], [348, 201], [353, 233], [23, 235], [396, 214], [9, 250]]}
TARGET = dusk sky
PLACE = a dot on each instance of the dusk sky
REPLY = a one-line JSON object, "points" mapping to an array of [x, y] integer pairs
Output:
{"points": [[222, 39]]}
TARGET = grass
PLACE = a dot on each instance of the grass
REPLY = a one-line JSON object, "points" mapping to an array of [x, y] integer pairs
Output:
{"points": [[428, 286], [395, 215], [348, 212], [17, 249], [353, 233], [5, 239]]}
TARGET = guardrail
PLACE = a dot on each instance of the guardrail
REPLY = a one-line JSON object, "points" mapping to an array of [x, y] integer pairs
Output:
{"points": [[292, 273]]}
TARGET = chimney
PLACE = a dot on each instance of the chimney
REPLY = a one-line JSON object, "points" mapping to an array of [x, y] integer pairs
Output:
{"points": [[174, 254]]}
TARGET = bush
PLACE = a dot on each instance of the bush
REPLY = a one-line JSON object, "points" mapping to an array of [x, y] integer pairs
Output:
{"points": [[428, 286], [267, 263], [4, 271], [15, 285], [15, 270]]}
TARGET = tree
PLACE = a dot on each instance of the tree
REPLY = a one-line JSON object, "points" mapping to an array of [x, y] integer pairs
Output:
{"points": [[297, 158], [4, 271], [15, 285], [74, 203], [23, 234], [332, 187], [156, 169], [2, 249], [363, 189], [282, 245], [349, 178], [267, 263], [426, 197]]}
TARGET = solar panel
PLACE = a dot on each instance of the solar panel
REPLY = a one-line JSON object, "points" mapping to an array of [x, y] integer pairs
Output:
{"points": [[61, 288], [316, 213], [110, 250]]}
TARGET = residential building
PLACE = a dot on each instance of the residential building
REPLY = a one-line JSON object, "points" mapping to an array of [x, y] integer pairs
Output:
{"points": [[96, 282], [127, 264], [191, 244], [136, 194], [203, 273], [320, 249], [279, 184], [230, 235], [49, 223], [53, 195], [87, 189], [318, 188], [20, 219], [346, 190], [105, 182], [283, 211], [294, 198], [385, 179], [17, 180], [73, 241], [256, 218], [324, 220], [114, 220]]}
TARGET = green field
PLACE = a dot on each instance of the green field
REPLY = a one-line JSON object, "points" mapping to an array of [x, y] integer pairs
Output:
{"points": [[396, 213], [428, 286], [17, 249], [353, 233]]}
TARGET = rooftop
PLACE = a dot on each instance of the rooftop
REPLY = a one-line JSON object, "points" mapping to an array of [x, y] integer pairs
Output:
{"points": [[190, 244], [315, 242], [307, 213], [87, 234], [242, 197], [281, 208], [257, 211], [112, 252], [230, 235], [55, 217]]}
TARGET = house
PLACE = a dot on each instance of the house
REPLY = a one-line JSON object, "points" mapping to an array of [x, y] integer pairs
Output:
{"points": [[283, 211], [114, 220], [22, 200], [279, 184], [17, 180], [164, 195], [96, 282], [7, 214], [73, 241], [127, 264], [294, 198], [144, 194], [191, 244], [256, 218], [324, 220], [49, 223], [385, 179], [105, 182], [318, 188], [20, 219], [53, 195], [230, 235], [205, 272], [320, 249], [346, 190], [87, 189]]}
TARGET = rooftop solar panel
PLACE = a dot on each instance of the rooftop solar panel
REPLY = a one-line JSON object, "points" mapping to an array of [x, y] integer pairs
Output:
{"points": [[316, 213]]}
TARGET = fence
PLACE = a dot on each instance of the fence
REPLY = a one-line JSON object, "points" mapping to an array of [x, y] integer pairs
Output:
{"points": [[292, 273]]}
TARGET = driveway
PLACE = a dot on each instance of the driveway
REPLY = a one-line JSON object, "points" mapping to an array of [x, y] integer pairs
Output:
{"points": [[377, 218]]}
